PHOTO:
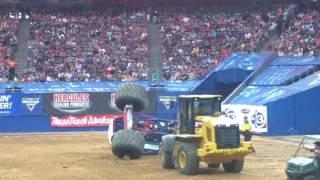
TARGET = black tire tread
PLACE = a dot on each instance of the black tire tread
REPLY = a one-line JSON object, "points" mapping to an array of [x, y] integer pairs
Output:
{"points": [[167, 162], [131, 94], [168, 142], [128, 142], [235, 166], [192, 158]]}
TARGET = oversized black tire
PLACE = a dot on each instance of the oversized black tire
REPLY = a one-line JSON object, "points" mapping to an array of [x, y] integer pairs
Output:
{"points": [[167, 162], [131, 94], [187, 159], [214, 166], [127, 142], [168, 142], [235, 166], [310, 177]]}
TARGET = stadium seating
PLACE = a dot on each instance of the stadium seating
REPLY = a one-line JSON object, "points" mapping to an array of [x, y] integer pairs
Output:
{"points": [[195, 43], [302, 37], [8, 43], [87, 46]]}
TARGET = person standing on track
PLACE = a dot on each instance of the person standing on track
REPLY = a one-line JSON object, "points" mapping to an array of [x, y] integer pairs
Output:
{"points": [[246, 131]]}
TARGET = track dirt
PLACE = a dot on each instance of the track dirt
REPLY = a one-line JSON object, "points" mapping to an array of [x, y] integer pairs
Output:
{"points": [[87, 156]]}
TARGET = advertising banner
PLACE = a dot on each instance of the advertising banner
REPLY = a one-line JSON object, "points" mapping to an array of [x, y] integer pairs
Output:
{"points": [[31, 104], [9, 104], [60, 104], [83, 120], [256, 115]]}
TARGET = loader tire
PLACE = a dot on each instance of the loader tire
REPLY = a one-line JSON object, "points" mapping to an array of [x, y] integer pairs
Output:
{"points": [[235, 166], [167, 162], [168, 142], [128, 143], [187, 159], [131, 94]]}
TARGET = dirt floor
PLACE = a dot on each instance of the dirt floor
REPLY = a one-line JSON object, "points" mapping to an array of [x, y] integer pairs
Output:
{"points": [[88, 156]]}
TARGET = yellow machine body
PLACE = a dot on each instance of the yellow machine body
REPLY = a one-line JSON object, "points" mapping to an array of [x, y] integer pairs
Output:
{"points": [[204, 135], [208, 151]]}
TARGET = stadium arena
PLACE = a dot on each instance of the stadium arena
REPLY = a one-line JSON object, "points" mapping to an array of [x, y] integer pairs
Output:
{"points": [[74, 73]]}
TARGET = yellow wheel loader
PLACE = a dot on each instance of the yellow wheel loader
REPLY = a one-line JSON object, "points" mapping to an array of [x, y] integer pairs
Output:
{"points": [[204, 135]]}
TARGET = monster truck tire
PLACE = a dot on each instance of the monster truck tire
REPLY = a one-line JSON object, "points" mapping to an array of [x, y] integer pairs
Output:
{"points": [[128, 143], [131, 94]]}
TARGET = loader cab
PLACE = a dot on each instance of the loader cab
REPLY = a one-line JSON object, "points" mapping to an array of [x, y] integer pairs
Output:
{"points": [[196, 105]]}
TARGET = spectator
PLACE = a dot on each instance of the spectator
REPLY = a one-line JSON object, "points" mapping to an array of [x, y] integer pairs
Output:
{"points": [[8, 43], [12, 66], [302, 38], [194, 43], [87, 46]]}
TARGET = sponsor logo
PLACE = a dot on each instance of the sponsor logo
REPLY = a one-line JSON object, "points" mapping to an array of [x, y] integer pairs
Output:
{"points": [[245, 111], [256, 115], [168, 101], [230, 114], [30, 102], [82, 121], [258, 120], [71, 102], [5, 102]]}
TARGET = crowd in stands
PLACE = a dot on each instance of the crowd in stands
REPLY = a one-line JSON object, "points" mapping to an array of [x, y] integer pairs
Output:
{"points": [[302, 37], [87, 46], [8, 43], [194, 43], [81, 46]]}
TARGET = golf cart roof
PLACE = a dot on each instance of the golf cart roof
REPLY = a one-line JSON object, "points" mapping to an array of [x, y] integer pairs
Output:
{"points": [[309, 140], [201, 96], [315, 137]]}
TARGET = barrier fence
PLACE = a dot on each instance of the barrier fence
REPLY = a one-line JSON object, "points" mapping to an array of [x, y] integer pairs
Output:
{"points": [[74, 111]]}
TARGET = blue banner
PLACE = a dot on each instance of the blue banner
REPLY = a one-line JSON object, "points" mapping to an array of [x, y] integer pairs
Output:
{"points": [[105, 86], [9, 104]]}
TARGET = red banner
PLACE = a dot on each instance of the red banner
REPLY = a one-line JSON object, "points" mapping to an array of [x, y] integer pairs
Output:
{"points": [[83, 120]]}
